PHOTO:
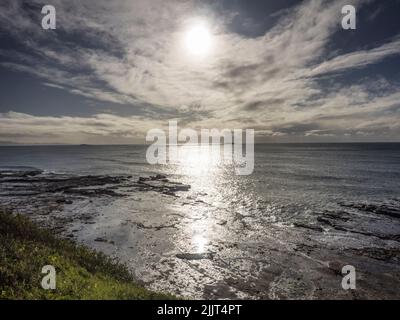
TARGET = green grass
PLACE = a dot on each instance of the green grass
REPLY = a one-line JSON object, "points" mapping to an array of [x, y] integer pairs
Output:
{"points": [[81, 273]]}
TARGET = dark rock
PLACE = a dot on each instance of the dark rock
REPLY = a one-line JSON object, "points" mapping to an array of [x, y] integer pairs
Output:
{"points": [[161, 184], [195, 256], [380, 209], [379, 253], [331, 224], [307, 226], [336, 267]]}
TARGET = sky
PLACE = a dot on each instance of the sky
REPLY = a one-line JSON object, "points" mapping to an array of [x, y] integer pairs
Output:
{"points": [[113, 70]]}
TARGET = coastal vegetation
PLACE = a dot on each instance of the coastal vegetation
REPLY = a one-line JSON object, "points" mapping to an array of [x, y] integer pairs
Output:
{"points": [[81, 273]]}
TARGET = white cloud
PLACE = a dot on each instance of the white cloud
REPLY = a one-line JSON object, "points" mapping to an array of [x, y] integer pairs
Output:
{"points": [[358, 59], [134, 56], [101, 128]]}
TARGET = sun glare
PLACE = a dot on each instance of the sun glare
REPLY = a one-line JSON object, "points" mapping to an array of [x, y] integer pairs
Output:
{"points": [[198, 39]]}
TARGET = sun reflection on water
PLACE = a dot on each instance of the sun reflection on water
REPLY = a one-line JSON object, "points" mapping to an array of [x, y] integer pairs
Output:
{"points": [[199, 242], [199, 161], [204, 169]]}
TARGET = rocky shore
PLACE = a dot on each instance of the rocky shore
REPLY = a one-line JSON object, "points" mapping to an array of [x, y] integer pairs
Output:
{"points": [[176, 241], [33, 192]]}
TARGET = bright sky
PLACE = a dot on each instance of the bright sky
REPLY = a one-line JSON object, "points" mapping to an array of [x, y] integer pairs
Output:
{"points": [[115, 69]]}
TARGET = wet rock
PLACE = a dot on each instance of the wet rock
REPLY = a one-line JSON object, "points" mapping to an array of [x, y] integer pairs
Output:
{"points": [[382, 254], [19, 172], [331, 224], [341, 215], [307, 249], [195, 256], [157, 228], [104, 240], [379, 209], [158, 177], [94, 192], [308, 226], [291, 287], [222, 223], [160, 183], [34, 184], [336, 267]]}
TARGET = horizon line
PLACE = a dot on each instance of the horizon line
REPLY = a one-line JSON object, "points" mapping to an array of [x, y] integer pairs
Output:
{"points": [[183, 144]]}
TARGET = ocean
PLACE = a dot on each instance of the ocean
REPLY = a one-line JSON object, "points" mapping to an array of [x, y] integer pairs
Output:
{"points": [[198, 230]]}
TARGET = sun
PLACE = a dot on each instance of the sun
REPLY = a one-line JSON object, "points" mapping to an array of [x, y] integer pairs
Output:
{"points": [[198, 39]]}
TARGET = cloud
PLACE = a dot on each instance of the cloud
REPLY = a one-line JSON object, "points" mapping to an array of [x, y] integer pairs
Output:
{"points": [[101, 128], [359, 59], [130, 53]]}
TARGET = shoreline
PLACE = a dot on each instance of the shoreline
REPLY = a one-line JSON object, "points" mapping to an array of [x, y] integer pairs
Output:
{"points": [[157, 228]]}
